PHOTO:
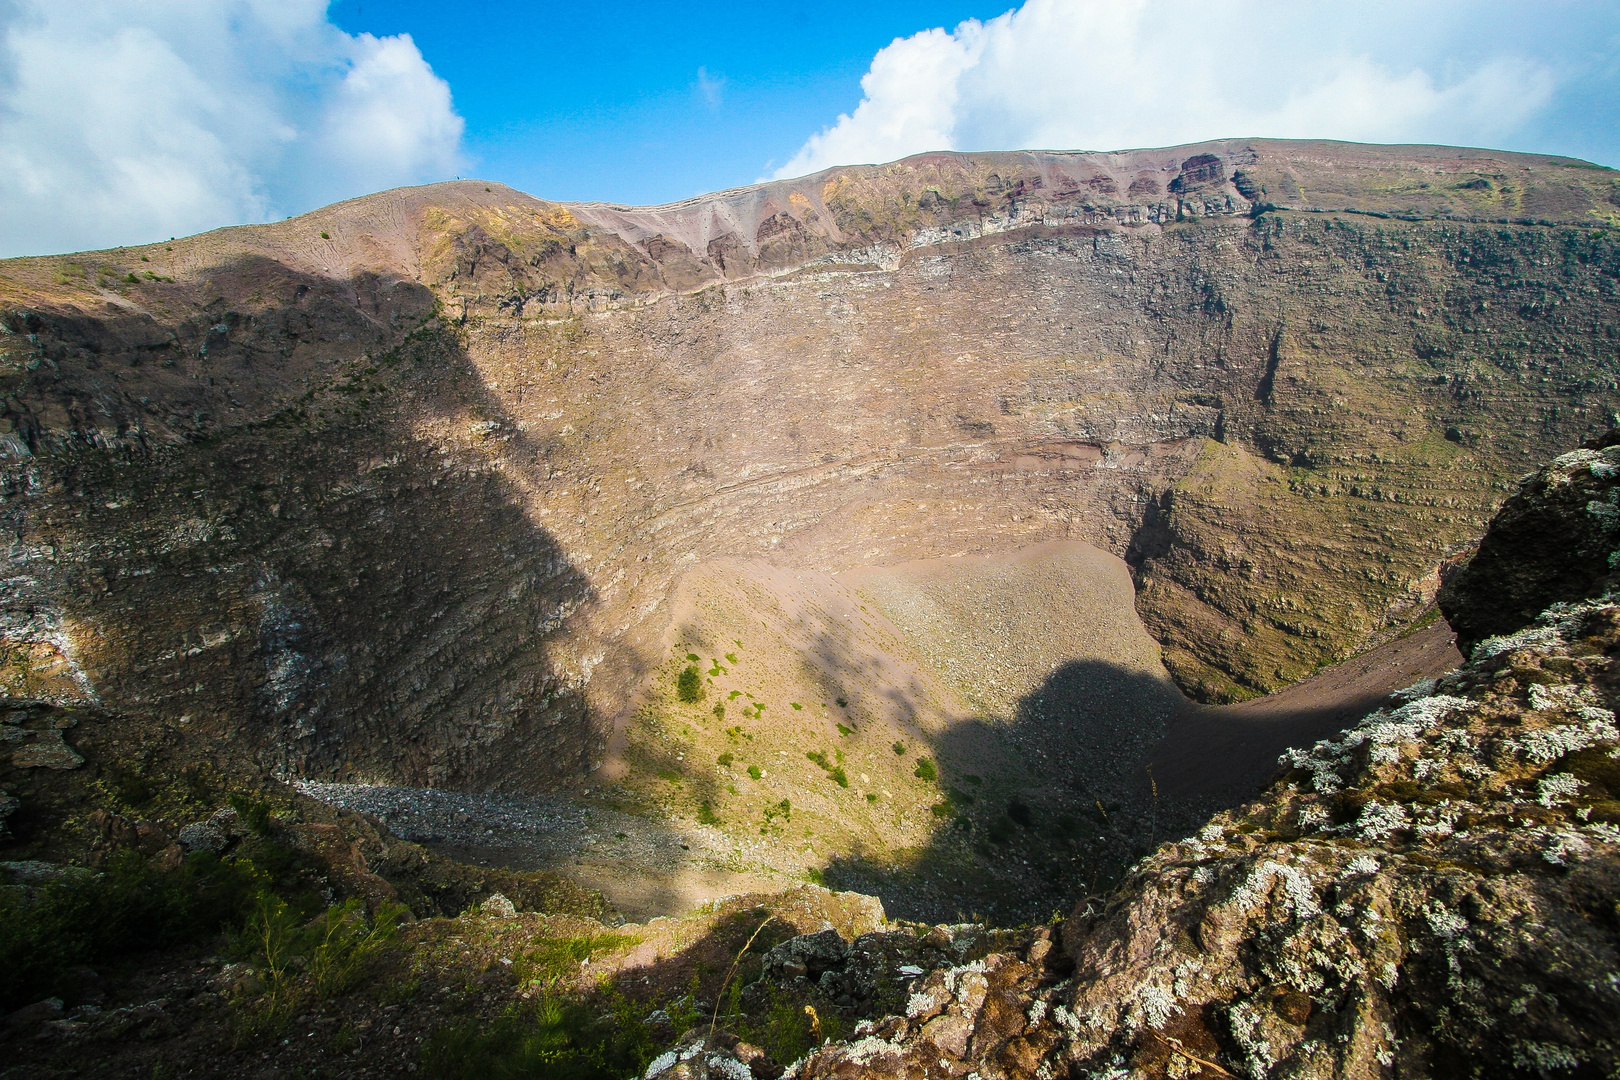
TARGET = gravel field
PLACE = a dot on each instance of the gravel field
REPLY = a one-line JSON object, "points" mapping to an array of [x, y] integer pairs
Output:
{"points": [[554, 827], [644, 867]]}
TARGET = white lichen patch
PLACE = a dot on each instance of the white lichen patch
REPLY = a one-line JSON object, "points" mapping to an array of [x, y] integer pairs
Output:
{"points": [[1420, 689], [1314, 817], [1443, 921], [865, 1051], [1563, 846], [1298, 896], [1437, 821], [1383, 732], [929, 999], [1551, 743], [1154, 1006], [1564, 696], [1559, 787], [1362, 864], [1248, 1031], [728, 1067], [1379, 820]]}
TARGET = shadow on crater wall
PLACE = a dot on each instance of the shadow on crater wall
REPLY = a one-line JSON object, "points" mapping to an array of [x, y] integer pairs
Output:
{"points": [[291, 549], [1102, 764]]}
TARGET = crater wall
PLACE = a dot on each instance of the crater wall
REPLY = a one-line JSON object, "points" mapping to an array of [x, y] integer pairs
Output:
{"points": [[398, 490]]}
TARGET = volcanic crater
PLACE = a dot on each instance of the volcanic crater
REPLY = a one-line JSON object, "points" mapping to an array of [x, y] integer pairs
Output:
{"points": [[936, 529]]}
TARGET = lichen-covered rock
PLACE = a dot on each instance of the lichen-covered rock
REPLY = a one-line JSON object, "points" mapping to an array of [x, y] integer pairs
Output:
{"points": [[497, 906], [1556, 539], [808, 956], [211, 834], [47, 750]]}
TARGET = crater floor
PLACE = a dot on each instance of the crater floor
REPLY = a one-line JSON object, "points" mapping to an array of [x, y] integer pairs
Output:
{"points": [[1060, 748]]}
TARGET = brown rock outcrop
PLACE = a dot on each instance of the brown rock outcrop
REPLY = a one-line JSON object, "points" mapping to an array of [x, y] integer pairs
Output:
{"points": [[1556, 539], [1431, 893]]}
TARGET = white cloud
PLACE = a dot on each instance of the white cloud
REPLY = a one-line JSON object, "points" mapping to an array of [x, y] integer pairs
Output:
{"points": [[124, 121], [1115, 74], [711, 88]]}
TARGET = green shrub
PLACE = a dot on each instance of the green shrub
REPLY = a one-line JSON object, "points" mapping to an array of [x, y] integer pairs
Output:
{"points": [[838, 776], [689, 684], [925, 770], [128, 908], [132, 790], [843, 703], [344, 940], [724, 760], [871, 796], [553, 1039], [309, 962], [719, 710], [846, 731], [754, 772], [254, 813], [899, 749], [796, 706], [706, 815], [554, 958], [785, 1031]]}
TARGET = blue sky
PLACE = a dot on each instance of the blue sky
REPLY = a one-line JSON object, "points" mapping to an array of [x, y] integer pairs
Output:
{"points": [[650, 102], [128, 121], [605, 101]]}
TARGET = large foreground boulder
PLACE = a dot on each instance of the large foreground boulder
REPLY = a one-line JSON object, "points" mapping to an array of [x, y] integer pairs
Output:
{"points": [[1556, 539]]}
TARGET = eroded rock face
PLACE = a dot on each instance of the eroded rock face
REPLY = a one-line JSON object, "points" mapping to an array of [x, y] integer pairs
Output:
{"points": [[1430, 893], [1557, 538], [405, 502]]}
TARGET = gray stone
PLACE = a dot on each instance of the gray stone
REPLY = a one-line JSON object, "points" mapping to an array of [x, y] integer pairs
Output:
{"points": [[497, 906], [38, 1012], [47, 750], [812, 954], [203, 836]]}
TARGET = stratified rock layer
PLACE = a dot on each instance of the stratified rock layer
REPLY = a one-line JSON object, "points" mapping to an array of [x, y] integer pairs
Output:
{"points": [[398, 490]]}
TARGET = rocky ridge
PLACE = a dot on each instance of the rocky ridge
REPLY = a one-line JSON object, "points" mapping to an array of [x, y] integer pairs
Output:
{"points": [[1432, 893]]}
